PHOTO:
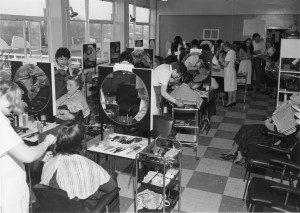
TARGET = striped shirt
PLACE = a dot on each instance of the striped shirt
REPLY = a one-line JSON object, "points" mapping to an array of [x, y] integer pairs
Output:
{"points": [[75, 174]]}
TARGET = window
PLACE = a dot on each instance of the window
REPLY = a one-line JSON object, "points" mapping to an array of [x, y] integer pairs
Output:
{"points": [[99, 23], [211, 34], [139, 30], [23, 26]]}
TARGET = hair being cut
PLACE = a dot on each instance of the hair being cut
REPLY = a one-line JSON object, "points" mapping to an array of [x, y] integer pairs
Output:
{"points": [[13, 94]]}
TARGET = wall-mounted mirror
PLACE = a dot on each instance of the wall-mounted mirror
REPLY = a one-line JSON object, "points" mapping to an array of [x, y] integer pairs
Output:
{"points": [[35, 87], [126, 97]]}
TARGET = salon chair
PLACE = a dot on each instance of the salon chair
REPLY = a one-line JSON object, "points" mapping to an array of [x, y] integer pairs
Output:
{"points": [[56, 200], [267, 195], [162, 126], [273, 158]]}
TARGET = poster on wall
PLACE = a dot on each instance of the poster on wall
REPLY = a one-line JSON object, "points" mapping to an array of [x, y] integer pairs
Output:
{"points": [[36, 80], [252, 26], [151, 43], [89, 55], [139, 43], [115, 52]]}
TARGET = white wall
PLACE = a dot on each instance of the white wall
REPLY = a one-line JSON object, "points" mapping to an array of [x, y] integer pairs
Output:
{"points": [[275, 13], [229, 7]]}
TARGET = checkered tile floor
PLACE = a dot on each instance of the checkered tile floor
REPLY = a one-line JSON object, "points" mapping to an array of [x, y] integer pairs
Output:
{"points": [[211, 184]]}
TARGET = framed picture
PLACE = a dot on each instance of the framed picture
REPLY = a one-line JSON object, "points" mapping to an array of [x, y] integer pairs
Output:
{"points": [[89, 55], [115, 52], [139, 43]]}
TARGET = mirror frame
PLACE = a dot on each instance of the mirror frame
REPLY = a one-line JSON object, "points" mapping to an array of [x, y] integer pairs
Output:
{"points": [[48, 68], [146, 76]]}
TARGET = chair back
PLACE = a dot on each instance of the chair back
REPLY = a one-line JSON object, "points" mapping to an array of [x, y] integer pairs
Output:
{"points": [[162, 125], [56, 200], [189, 116]]}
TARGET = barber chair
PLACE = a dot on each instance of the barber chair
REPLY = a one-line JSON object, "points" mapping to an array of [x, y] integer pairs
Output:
{"points": [[162, 126], [56, 200], [274, 158], [267, 195]]}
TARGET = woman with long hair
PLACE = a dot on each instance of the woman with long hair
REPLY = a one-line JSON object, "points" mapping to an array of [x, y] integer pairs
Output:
{"points": [[245, 55]]}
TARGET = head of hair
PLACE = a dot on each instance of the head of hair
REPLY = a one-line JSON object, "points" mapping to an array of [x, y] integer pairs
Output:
{"points": [[62, 51], [75, 79], [180, 67], [255, 35], [176, 43], [126, 56], [141, 59], [187, 78], [226, 44], [195, 43], [219, 41], [178, 40], [69, 138], [170, 59], [13, 94], [205, 47], [245, 48]]}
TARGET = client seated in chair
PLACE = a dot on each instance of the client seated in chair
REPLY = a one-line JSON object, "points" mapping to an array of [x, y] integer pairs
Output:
{"points": [[80, 177], [283, 126], [185, 93], [73, 105]]}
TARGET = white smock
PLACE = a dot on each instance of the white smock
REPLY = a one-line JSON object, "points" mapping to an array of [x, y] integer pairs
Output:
{"points": [[161, 76], [230, 73], [14, 192]]}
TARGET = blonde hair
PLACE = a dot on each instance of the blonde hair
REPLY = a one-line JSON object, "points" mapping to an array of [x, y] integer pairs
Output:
{"points": [[13, 94]]}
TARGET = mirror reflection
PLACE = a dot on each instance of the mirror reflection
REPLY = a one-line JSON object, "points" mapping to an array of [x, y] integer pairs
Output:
{"points": [[35, 86], [124, 97]]}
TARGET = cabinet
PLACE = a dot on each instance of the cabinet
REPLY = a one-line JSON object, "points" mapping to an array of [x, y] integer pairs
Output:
{"points": [[289, 70], [158, 176]]}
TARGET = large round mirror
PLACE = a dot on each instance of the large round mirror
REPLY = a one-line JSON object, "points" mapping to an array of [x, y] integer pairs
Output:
{"points": [[198, 64], [124, 98], [35, 86]]}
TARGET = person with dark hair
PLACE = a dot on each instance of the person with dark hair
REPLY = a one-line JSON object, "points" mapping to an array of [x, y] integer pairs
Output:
{"points": [[126, 56], [230, 84], [14, 195], [73, 105], [176, 46], [245, 56], [80, 177], [170, 59], [195, 44], [185, 93], [257, 63], [161, 78], [62, 70]]}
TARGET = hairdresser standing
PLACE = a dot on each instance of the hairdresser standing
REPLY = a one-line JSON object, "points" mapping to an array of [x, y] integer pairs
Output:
{"points": [[14, 193]]}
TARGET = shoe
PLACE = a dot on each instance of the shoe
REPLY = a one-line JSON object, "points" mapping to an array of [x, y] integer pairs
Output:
{"points": [[227, 105], [230, 156], [240, 163], [233, 103]]}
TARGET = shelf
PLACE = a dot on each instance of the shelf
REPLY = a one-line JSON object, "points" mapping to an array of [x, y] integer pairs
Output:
{"points": [[290, 71], [186, 137], [174, 196], [159, 189], [288, 92]]}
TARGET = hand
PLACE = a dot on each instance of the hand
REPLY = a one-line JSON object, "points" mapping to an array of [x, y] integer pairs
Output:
{"points": [[63, 111], [50, 139], [179, 103]]}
